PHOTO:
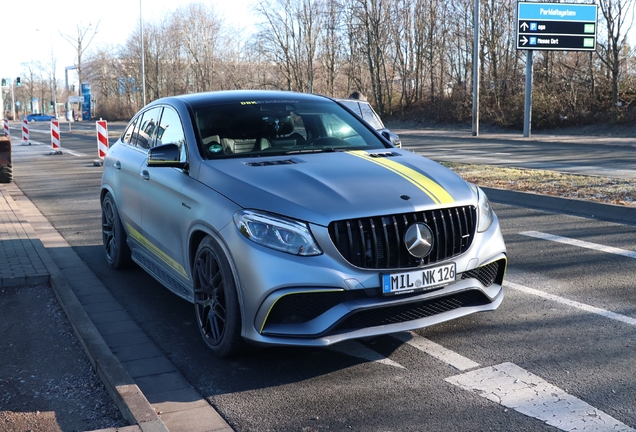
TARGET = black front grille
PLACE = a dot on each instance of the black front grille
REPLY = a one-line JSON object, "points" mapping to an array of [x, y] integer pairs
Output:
{"points": [[377, 242], [410, 311]]}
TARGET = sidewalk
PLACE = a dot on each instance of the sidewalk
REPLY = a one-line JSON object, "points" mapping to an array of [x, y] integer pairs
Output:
{"points": [[151, 394]]}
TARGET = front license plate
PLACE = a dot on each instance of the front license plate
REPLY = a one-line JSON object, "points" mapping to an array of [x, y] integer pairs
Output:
{"points": [[418, 280]]}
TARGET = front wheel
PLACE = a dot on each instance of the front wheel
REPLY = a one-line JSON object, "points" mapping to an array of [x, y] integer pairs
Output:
{"points": [[215, 300], [113, 235]]}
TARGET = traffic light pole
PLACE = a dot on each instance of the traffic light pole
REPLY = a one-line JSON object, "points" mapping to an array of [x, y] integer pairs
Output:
{"points": [[12, 103]]}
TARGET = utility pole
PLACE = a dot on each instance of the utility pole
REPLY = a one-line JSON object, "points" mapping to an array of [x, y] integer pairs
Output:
{"points": [[476, 72]]}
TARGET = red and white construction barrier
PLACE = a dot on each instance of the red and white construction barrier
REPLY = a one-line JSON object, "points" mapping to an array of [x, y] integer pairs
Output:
{"points": [[25, 132], [55, 136], [6, 127], [102, 138]]}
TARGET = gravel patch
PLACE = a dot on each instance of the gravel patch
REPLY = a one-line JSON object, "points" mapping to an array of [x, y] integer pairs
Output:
{"points": [[46, 380]]}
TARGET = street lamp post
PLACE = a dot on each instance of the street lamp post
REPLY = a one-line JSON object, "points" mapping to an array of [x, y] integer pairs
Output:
{"points": [[143, 69]]}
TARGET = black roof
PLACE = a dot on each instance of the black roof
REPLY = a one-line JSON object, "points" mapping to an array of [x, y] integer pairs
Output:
{"points": [[246, 96]]}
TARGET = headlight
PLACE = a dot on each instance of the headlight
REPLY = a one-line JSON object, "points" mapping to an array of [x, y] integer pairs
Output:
{"points": [[484, 209], [276, 232]]}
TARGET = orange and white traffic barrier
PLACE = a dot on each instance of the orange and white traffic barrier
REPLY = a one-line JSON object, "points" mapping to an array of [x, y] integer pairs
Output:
{"points": [[102, 138], [25, 132], [55, 135], [6, 127]]}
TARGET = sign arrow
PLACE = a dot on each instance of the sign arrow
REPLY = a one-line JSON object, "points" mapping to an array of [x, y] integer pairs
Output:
{"points": [[523, 40], [524, 26]]}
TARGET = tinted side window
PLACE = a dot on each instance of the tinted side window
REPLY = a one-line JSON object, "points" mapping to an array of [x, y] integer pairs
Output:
{"points": [[127, 136], [170, 130], [146, 128]]}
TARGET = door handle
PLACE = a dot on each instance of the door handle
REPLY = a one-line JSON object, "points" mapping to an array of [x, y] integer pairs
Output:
{"points": [[145, 175], [117, 165]]}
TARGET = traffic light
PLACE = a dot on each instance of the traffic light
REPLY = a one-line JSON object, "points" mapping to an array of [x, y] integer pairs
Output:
{"points": [[51, 104], [17, 82], [4, 82], [72, 87]]}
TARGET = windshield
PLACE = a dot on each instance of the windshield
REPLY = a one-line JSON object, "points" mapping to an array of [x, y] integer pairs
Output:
{"points": [[269, 127]]}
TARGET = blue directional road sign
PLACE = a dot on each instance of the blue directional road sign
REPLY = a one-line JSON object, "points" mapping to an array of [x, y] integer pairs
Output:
{"points": [[556, 26]]}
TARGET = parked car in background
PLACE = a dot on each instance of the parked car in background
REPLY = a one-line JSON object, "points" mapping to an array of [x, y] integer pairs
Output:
{"points": [[36, 117], [362, 108], [287, 220]]}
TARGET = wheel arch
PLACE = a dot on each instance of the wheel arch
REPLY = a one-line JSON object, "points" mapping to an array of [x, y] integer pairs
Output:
{"points": [[197, 234]]}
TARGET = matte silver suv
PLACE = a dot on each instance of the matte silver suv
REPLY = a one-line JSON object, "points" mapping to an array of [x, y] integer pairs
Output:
{"points": [[287, 220]]}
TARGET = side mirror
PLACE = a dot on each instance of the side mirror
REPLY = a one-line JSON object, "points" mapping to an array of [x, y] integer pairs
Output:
{"points": [[392, 138], [167, 155]]}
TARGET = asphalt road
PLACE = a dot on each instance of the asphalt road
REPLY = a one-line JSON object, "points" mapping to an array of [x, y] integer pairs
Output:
{"points": [[560, 349], [606, 157]]}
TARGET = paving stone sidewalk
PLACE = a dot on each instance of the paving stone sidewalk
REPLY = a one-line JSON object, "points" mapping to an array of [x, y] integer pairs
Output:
{"points": [[150, 393], [20, 248]]}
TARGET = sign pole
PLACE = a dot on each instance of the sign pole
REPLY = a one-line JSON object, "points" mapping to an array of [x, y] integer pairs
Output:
{"points": [[527, 107], [476, 72]]}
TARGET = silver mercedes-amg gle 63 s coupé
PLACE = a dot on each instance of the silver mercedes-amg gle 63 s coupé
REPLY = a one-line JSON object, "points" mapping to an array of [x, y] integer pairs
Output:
{"points": [[287, 220]]}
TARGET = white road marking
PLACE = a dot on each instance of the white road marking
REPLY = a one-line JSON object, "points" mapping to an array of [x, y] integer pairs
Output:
{"points": [[356, 349], [513, 387], [582, 306], [579, 243], [449, 357], [72, 152], [64, 150]]}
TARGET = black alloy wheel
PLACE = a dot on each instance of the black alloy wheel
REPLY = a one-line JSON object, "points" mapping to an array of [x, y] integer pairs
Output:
{"points": [[113, 235], [215, 300]]}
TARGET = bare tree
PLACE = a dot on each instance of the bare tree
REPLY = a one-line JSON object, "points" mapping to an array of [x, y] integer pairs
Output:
{"points": [[618, 16], [81, 42]]}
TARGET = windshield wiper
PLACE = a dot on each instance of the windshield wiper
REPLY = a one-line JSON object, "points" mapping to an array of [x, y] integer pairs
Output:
{"points": [[314, 150]]}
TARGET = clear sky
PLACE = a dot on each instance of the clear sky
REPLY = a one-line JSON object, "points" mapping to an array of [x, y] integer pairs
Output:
{"points": [[31, 28]]}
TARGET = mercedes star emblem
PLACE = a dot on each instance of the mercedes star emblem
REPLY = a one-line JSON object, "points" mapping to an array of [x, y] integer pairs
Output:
{"points": [[419, 240]]}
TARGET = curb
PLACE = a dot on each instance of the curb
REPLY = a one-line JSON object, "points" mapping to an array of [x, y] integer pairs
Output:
{"points": [[131, 402], [571, 206]]}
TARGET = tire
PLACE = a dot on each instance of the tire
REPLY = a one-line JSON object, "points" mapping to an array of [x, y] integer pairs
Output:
{"points": [[215, 300], [113, 235], [6, 173]]}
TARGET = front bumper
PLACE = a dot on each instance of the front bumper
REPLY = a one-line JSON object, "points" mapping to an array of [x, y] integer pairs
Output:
{"points": [[318, 301]]}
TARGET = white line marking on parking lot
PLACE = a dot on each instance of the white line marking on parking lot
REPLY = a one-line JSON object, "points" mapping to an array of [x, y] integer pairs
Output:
{"points": [[579, 243], [356, 349], [587, 308], [455, 360], [74, 153], [513, 387]]}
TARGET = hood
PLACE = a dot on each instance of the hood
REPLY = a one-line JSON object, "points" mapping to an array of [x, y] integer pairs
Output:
{"points": [[322, 187]]}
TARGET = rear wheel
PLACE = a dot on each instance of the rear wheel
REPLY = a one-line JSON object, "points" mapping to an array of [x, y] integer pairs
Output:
{"points": [[113, 235], [6, 173], [215, 300]]}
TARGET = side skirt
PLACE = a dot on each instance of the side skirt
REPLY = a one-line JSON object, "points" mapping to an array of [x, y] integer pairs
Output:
{"points": [[166, 278]]}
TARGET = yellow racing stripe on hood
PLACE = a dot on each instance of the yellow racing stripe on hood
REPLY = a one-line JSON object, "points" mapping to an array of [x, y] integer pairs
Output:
{"points": [[437, 193]]}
